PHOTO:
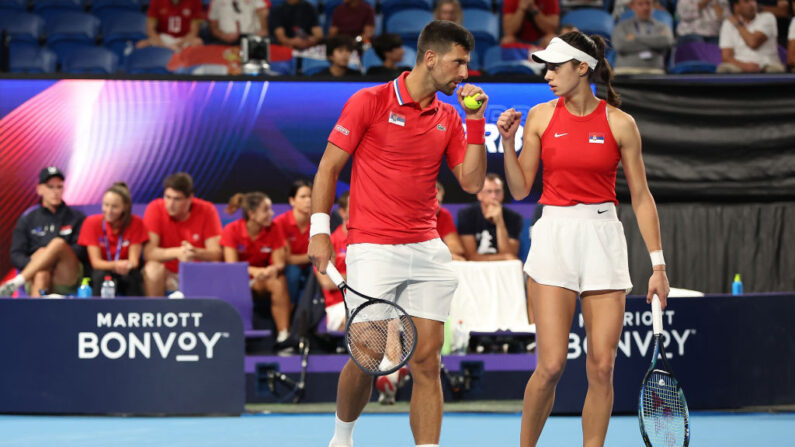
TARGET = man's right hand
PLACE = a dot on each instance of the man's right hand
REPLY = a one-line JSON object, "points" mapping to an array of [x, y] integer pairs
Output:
{"points": [[320, 251], [493, 212]]}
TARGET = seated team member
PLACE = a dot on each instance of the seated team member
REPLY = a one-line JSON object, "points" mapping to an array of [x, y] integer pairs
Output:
{"points": [[338, 53], [445, 225], [182, 228], [44, 246], [335, 308], [231, 19], [388, 48], [295, 226], [173, 24], [114, 240], [489, 231], [354, 18], [256, 240]]}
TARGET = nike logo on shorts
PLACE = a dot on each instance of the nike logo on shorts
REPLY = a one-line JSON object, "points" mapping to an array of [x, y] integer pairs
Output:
{"points": [[600, 211], [558, 135]]}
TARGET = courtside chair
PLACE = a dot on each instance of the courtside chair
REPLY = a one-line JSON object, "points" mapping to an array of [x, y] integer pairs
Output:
{"points": [[91, 60], [69, 30], [408, 24], [148, 60], [122, 29], [226, 281], [21, 26], [591, 21], [30, 59]]}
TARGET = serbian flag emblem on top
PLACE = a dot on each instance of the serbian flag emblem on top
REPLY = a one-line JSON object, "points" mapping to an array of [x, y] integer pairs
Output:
{"points": [[598, 138]]}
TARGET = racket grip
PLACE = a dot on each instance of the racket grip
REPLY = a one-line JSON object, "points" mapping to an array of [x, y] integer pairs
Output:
{"points": [[334, 274], [656, 314]]}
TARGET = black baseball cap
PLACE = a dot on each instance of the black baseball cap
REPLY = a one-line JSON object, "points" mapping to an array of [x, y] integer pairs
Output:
{"points": [[48, 173]]}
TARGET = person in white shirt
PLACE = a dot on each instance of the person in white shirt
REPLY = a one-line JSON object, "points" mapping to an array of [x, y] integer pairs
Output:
{"points": [[700, 19], [791, 45], [748, 40], [231, 19]]}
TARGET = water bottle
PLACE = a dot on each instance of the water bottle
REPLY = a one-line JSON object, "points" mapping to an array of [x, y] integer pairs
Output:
{"points": [[737, 285], [84, 291], [460, 338], [108, 288]]}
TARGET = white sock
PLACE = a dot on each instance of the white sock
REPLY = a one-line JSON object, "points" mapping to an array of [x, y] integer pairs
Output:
{"points": [[386, 364], [282, 336], [343, 433], [18, 281]]}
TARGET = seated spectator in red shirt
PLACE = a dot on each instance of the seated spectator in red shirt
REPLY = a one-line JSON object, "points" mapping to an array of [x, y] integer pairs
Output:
{"points": [[182, 228], [335, 308], [389, 48], [255, 239], [231, 19], [295, 24], [114, 240], [530, 21], [295, 226], [445, 225], [354, 18], [173, 24], [449, 10], [338, 51]]}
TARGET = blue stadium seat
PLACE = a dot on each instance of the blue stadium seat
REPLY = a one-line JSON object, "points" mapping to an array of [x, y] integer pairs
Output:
{"points": [[47, 6], [101, 8], [149, 60], [474, 60], [92, 60], [475, 4], [485, 26], [493, 63], [21, 26], [19, 5], [408, 24], [657, 14], [591, 21], [390, 7], [370, 59], [310, 67], [30, 59], [69, 30], [120, 28], [690, 67]]}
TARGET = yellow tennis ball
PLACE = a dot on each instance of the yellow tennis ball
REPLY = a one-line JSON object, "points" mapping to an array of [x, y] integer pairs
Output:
{"points": [[471, 103]]}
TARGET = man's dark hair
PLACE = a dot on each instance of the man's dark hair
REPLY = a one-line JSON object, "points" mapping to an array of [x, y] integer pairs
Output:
{"points": [[385, 43], [732, 4], [441, 35], [181, 181], [298, 184], [339, 41]]}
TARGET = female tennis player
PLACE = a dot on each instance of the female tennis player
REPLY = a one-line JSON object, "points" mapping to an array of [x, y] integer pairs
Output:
{"points": [[578, 244]]}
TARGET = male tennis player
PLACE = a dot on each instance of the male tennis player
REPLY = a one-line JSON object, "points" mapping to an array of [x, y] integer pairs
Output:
{"points": [[399, 133]]}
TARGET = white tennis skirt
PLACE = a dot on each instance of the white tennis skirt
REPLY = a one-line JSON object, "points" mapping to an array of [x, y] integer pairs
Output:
{"points": [[419, 277], [580, 248]]}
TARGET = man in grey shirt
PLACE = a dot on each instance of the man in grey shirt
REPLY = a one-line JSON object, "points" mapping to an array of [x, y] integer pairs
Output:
{"points": [[641, 42]]}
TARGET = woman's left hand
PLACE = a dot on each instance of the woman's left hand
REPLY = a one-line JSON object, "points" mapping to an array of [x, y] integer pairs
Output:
{"points": [[658, 285]]}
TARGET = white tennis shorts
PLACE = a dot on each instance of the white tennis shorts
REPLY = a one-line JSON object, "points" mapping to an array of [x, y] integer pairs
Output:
{"points": [[418, 276], [580, 248]]}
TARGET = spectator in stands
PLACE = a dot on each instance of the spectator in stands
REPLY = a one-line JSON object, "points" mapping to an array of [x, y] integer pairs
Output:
{"points": [[700, 19], [782, 10], [295, 24], [335, 308], [641, 42], [791, 45], [173, 24], [255, 239], [338, 52], [295, 226], [449, 10], [182, 228], [389, 48], [445, 225], [44, 246], [354, 18], [114, 240], [748, 41], [489, 231], [231, 19], [530, 21]]}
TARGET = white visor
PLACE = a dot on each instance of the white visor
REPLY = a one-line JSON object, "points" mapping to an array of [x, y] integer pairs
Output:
{"points": [[558, 51]]}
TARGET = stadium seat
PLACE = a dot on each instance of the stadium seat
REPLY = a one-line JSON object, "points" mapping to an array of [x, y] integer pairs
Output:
{"points": [[69, 30], [689, 67], [390, 7], [408, 24], [370, 59], [493, 63], [19, 5], [102, 7], [48, 6], [91, 60], [122, 27], [485, 26], [475, 4], [21, 26], [30, 59], [590, 21], [310, 67], [697, 51], [149, 60], [659, 15]]}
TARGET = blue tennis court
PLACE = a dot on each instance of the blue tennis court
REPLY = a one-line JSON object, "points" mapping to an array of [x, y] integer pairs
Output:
{"points": [[459, 429]]}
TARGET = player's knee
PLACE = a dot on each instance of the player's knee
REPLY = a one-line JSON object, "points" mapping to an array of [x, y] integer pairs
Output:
{"points": [[154, 271], [550, 372], [600, 370], [425, 365], [42, 277]]}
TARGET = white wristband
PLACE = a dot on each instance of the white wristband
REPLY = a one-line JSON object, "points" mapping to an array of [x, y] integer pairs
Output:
{"points": [[657, 258], [319, 223]]}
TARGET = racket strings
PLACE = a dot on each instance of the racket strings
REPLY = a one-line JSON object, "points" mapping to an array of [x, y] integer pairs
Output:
{"points": [[663, 412], [380, 337]]}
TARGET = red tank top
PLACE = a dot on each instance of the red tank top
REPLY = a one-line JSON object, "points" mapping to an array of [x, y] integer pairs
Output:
{"points": [[580, 158]]}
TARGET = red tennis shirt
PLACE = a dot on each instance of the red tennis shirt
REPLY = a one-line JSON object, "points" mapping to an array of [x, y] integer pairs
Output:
{"points": [[91, 234], [257, 252], [397, 150]]}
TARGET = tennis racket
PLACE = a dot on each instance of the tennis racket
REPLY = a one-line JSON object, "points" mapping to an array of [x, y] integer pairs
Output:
{"points": [[662, 408], [379, 335]]}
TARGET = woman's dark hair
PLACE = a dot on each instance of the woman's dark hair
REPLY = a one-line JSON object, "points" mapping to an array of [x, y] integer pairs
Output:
{"points": [[248, 202], [595, 46], [298, 184], [122, 190]]}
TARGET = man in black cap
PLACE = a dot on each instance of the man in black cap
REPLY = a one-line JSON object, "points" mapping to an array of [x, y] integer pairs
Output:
{"points": [[44, 247]]}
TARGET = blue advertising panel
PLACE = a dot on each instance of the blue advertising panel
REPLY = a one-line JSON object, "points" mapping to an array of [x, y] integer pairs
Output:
{"points": [[131, 356]]}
